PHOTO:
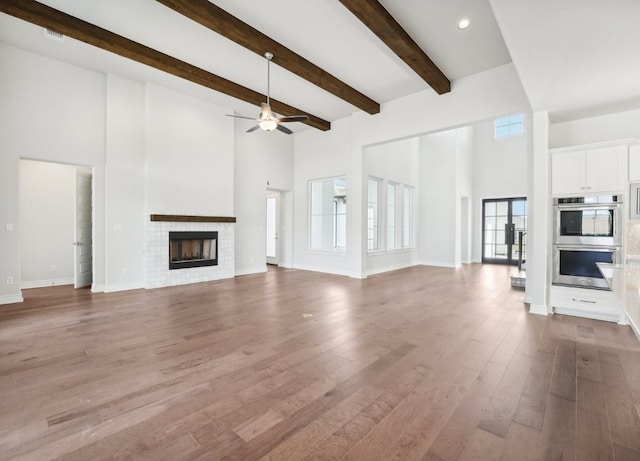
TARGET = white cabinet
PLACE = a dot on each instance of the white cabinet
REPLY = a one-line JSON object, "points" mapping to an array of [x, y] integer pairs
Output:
{"points": [[634, 163], [568, 172], [583, 302], [588, 171]]}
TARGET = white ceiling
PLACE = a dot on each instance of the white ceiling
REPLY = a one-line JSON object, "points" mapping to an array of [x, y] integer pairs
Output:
{"points": [[575, 58], [585, 56]]}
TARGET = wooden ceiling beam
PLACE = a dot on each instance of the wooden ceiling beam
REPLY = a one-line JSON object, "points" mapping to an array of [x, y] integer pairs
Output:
{"points": [[372, 14], [68, 25], [218, 20]]}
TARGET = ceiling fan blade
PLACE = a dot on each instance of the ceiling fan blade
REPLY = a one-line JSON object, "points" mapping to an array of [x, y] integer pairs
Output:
{"points": [[240, 116], [284, 129], [294, 118], [253, 128]]}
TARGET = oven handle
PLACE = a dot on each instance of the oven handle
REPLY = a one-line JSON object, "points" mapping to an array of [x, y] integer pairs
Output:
{"points": [[564, 246], [588, 206]]}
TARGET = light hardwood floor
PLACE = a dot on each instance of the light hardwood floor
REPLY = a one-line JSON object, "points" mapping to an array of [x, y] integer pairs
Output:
{"points": [[419, 364]]}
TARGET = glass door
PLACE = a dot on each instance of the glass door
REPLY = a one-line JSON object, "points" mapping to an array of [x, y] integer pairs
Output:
{"points": [[504, 222]]}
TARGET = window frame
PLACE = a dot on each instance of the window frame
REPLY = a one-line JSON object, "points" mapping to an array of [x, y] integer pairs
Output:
{"points": [[391, 221], [407, 217], [332, 214], [509, 122], [373, 231]]}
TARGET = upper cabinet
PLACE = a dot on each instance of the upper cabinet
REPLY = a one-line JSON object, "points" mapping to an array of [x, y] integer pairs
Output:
{"points": [[634, 163], [589, 170]]}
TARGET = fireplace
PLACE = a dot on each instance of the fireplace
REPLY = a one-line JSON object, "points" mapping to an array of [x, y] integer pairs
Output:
{"points": [[193, 249]]}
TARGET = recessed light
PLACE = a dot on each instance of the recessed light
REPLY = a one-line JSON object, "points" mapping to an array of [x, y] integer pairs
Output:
{"points": [[464, 23]]}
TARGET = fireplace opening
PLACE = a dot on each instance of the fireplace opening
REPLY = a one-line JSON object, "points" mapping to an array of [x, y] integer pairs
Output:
{"points": [[193, 249]]}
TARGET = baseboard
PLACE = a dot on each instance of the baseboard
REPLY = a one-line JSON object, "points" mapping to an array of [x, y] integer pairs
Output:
{"points": [[97, 288], [46, 283], [122, 287], [382, 270], [324, 271], [538, 309], [257, 270], [11, 299], [633, 326], [435, 264]]}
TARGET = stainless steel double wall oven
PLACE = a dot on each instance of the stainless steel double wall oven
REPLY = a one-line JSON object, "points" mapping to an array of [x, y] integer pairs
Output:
{"points": [[587, 230]]}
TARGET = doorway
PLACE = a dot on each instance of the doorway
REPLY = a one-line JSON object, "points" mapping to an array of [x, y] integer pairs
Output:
{"points": [[55, 202], [504, 222], [272, 225]]}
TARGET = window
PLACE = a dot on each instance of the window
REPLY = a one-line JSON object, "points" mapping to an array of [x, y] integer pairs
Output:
{"points": [[407, 217], [328, 214], [505, 127], [372, 214], [391, 216]]}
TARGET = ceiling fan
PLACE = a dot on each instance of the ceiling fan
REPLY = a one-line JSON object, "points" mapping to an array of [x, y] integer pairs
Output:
{"points": [[268, 120]]}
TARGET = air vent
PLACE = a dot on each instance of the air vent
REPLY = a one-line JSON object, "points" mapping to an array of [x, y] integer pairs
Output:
{"points": [[53, 35]]}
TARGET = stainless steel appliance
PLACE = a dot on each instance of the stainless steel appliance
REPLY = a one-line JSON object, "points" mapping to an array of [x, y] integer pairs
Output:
{"points": [[587, 230], [590, 220], [576, 265]]}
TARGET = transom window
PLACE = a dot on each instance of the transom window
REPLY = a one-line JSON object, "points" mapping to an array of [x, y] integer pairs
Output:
{"points": [[505, 127]]}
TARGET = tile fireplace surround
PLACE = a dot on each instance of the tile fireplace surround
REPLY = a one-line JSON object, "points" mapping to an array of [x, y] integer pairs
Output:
{"points": [[157, 273]]}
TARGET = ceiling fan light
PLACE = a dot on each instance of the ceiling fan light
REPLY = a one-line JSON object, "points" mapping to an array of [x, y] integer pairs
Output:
{"points": [[268, 125]]}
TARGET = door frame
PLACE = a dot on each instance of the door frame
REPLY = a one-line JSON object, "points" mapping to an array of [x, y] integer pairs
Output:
{"points": [[509, 260], [273, 195]]}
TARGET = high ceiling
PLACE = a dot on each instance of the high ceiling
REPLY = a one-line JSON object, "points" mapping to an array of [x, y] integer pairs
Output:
{"points": [[575, 58], [577, 38]]}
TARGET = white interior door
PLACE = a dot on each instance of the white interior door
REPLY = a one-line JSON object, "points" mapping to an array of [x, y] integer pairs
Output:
{"points": [[83, 244], [273, 207]]}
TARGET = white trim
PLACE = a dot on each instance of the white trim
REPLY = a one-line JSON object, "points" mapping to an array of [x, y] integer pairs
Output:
{"points": [[436, 264], [123, 286], [11, 299], [538, 309], [595, 145], [255, 270], [633, 326], [395, 267], [97, 288], [306, 267], [46, 283]]}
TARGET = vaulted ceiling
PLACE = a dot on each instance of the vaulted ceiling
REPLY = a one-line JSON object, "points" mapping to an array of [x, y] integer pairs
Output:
{"points": [[336, 57]]}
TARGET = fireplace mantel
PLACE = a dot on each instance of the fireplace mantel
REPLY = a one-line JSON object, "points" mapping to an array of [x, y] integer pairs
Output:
{"points": [[189, 218]]}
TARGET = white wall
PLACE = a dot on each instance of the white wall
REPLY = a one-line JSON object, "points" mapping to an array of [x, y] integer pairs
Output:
{"points": [[609, 127], [499, 171], [54, 112], [263, 160], [437, 211], [47, 197], [125, 184], [396, 162], [57, 112], [189, 152], [479, 97], [464, 190], [152, 150], [321, 155]]}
